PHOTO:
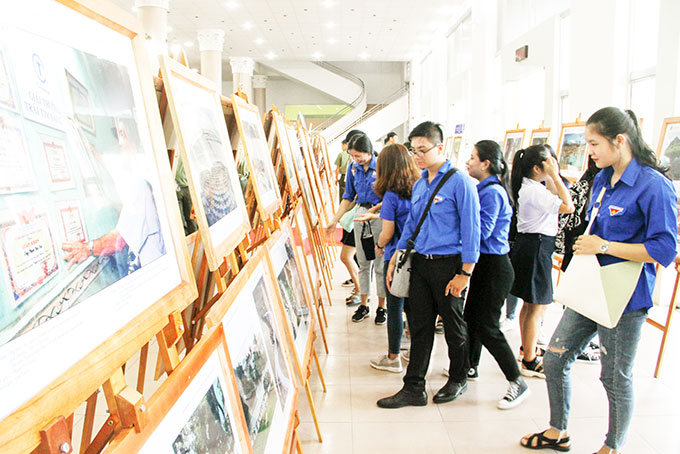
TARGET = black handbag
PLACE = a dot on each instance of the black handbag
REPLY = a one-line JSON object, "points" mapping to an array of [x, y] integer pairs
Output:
{"points": [[367, 242]]}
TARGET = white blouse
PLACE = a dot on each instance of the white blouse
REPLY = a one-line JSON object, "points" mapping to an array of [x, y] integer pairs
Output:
{"points": [[538, 209]]}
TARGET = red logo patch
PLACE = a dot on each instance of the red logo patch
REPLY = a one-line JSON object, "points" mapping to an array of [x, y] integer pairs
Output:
{"points": [[614, 210]]}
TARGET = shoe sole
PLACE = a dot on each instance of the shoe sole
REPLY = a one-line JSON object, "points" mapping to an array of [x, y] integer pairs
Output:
{"points": [[515, 403], [357, 320], [387, 369], [350, 304], [449, 399], [531, 373], [473, 379], [379, 322], [416, 404]]}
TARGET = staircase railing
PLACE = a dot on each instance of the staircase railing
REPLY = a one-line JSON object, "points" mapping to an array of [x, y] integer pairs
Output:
{"points": [[349, 107]]}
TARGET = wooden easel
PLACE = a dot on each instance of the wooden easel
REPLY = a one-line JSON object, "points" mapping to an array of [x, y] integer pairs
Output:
{"points": [[665, 328]]}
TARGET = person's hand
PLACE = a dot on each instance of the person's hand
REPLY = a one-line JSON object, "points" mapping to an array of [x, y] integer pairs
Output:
{"points": [[379, 252], [390, 271], [366, 217], [552, 168], [330, 230], [588, 244], [456, 285], [76, 252]]}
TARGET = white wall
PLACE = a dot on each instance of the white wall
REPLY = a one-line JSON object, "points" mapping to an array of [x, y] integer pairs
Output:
{"points": [[381, 78]]}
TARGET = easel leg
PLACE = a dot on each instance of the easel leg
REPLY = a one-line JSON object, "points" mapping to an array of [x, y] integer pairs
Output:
{"points": [[321, 328], [662, 349], [320, 303], [312, 407], [88, 424], [298, 445], [318, 368]]}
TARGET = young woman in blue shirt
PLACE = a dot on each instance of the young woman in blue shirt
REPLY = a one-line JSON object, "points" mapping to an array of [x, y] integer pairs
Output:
{"points": [[493, 274], [637, 222], [397, 172]]}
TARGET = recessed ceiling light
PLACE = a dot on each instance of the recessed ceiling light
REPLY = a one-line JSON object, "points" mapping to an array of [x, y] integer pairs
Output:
{"points": [[317, 55], [188, 44], [330, 25], [247, 25], [328, 3], [270, 55], [363, 55], [231, 5], [331, 40], [259, 41]]}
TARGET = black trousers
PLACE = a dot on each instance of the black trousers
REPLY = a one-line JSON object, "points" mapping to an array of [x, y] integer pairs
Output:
{"points": [[426, 301], [489, 285]]}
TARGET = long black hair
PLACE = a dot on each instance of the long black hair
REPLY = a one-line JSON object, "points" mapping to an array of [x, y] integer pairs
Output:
{"points": [[609, 122], [489, 150], [361, 143], [523, 166]]}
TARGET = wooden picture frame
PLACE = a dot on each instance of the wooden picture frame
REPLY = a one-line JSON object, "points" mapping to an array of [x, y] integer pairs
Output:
{"points": [[572, 152], [254, 332], [512, 142], [206, 368], [540, 136], [54, 370], [206, 154], [312, 170], [286, 151], [668, 149], [301, 172], [257, 154]]}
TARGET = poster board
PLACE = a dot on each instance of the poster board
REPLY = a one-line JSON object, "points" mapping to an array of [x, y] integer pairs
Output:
{"points": [[197, 409], [668, 149], [539, 136], [301, 172], [455, 148], [286, 151], [448, 147], [296, 308], [259, 355], [258, 157], [121, 182], [572, 152], [513, 141], [312, 170], [208, 161]]}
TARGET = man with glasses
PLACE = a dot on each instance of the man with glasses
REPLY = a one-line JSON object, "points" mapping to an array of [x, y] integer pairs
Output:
{"points": [[444, 255]]}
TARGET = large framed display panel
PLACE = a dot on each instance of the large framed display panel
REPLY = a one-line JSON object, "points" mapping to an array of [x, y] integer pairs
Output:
{"points": [[312, 170], [572, 152], [286, 151], [303, 243], [258, 157], [540, 136], [668, 148], [71, 313], [196, 410], [209, 164], [512, 143], [448, 147], [258, 350], [301, 171], [455, 148], [296, 306]]}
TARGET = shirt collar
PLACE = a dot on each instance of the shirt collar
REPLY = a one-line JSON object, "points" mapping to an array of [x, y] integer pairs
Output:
{"points": [[630, 175], [442, 170], [487, 181]]}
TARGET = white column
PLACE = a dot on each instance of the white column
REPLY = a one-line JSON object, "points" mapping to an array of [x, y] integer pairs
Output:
{"points": [[242, 71], [260, 92], [210, 43], [154, 17]]}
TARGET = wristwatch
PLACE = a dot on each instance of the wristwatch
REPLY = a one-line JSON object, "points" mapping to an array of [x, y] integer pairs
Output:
{"points": [[604, 247], [379, 247], [464, 273]]}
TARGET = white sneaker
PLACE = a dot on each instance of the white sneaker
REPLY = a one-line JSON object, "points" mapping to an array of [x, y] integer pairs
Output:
{"points": [[385, 363], [507, 324], [406, 355], [518, 391]]}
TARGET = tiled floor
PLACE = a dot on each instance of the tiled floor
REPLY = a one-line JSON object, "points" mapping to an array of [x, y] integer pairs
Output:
{"points": [[352, 423]]}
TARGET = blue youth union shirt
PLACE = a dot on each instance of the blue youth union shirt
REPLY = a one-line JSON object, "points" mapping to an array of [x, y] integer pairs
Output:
{"points": [[495, 216], [452, 224], [359, 183], [394, 208], [639, 208]]}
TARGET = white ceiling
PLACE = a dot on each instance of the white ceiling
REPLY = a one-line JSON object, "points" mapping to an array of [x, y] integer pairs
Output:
{"points": [[331, 30]]}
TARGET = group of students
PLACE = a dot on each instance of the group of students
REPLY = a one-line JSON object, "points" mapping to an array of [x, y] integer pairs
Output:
{"points": [[463, 268]]}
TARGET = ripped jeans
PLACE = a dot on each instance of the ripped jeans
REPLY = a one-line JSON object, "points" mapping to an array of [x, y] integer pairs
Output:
{"points": [[618, 347]]}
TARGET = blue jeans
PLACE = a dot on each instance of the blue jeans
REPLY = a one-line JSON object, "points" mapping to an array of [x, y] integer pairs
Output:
{"points": [[618, 347], [395, 320]]}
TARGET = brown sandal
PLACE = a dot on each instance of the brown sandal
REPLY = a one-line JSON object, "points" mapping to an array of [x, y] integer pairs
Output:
{"points": [[543, 442]]}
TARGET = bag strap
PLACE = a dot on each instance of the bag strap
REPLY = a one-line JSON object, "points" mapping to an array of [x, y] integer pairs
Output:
{"points": [[411, 243], [596, 209]]}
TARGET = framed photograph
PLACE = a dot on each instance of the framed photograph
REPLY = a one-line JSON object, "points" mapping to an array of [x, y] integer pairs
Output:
{"points": [[448, 147], [57, 163], [668, 149], [7, 97], [205, 150], [16, 171], [258, 156], [539, 136], [286, 151], [259, 355], [513, 141], [296, 301], [572, 153], [64, 300], [199, 412], [80, 103], [312, 169], [455, 148], [301, 172], [303, 243]]}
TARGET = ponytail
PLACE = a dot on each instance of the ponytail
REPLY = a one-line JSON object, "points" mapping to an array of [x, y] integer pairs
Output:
{"points": [[523, 166], [489, 150]]}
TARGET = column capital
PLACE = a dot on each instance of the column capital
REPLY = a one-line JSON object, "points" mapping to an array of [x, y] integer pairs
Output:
{"points": [[260, 81], [165, 4], [243, 65], [210, 39]]}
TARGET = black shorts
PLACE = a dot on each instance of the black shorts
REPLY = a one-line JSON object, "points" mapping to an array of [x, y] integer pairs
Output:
{"points": [[532, 262], [348, 238]]}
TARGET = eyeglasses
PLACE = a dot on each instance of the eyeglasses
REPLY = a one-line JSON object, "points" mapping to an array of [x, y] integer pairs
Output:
{"points": [[420, 152]]}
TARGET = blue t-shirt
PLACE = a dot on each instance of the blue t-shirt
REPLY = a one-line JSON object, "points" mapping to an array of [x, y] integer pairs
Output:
{"points": [[394, 208], [359, 183], [639, 208], [495, 216]]}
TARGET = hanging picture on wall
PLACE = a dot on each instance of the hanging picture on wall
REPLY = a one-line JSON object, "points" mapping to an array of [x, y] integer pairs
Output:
{"points": [[301, 172], [668, 149], [257, 154], [539, 136], [455, 148], [90, 236], [513, 141], [7, 97], [572, 150], [286, 151], [208, 160], [448, 147]]}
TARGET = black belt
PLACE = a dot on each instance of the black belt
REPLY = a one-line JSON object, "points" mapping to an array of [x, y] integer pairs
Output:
{"points": [[437, 256], [367, 205]]}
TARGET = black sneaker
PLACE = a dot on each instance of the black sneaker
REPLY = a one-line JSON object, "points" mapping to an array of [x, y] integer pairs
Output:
{"points": [[361, 313], [588, 356], [518, 391], [472, 374], [380, 316]]}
